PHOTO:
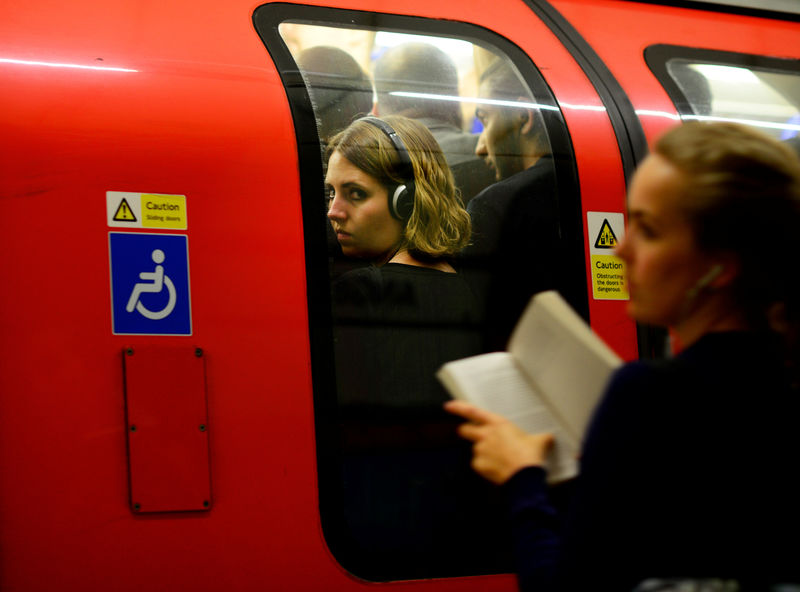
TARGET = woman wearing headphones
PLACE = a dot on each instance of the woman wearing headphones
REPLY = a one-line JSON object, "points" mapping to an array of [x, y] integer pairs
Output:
{"points": [[687, 470], [393, 204]]}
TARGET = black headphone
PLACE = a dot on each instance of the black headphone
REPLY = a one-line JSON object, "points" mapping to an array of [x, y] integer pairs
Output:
{"points": [[401, 197]]}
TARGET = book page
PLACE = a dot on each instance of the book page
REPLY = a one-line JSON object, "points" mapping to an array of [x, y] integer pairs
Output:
{"points": [[494, 382], [569, 364]]}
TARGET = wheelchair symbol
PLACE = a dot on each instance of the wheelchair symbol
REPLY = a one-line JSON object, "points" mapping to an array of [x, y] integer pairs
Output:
{"points": [[157, 280]]}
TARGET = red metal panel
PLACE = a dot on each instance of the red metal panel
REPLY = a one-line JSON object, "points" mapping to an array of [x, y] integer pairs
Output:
{"points": [[167, 424]]}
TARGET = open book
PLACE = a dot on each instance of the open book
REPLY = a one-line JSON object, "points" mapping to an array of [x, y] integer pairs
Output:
{"points": [[549, 380]]}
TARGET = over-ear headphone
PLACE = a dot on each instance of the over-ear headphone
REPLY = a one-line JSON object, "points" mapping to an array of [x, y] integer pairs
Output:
{"points": [[401, 197]]}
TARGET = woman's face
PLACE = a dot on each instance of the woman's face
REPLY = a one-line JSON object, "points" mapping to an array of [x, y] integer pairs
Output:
{"points": [[359, 211], [663, 261]]}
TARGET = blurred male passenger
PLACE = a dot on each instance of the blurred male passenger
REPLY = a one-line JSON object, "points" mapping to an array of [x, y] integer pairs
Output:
{"points": [[340, 93], [516, 238], [340, 90], [424, 69]]}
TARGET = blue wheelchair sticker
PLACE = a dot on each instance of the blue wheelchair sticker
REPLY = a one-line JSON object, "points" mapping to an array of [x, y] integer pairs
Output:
{"points": [[149, 284]]}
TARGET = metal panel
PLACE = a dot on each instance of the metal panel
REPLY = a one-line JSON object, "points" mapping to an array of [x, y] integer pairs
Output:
{"points": [[167, 425]]}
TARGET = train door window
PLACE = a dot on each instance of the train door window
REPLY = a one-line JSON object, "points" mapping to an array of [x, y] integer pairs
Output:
{"points": [[713, 85], [397, 497]]}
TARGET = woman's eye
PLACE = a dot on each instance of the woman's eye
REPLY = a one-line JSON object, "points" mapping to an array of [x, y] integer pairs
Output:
{"points": [[357, 195], [646, 231]]}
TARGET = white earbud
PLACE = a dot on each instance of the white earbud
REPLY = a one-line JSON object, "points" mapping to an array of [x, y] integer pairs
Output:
{"points": [[709, 277], [703, 282]]}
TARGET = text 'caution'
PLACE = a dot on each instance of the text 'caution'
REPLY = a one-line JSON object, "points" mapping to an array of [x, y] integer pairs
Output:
{"points": [[605, 230], [146, 210]]}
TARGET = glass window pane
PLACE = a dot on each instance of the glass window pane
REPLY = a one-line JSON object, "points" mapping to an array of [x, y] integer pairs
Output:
{"points": [[765, 98], [398, 498]]}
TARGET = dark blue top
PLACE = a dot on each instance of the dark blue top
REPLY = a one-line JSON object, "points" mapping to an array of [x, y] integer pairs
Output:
{"points": [[687, 471]]}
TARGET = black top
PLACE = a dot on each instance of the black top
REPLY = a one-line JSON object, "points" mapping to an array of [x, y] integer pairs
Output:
{"points": [[406, 481], [516, 248], [395, 326], [687, 472]]}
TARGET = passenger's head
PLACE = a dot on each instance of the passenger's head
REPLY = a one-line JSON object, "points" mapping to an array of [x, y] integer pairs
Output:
{"points": [[417, 68], [513, 136], [714, 215], [363, 166], [340, 90]]}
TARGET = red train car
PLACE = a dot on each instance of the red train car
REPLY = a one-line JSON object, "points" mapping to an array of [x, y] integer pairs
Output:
{"points": [[187, 439]]}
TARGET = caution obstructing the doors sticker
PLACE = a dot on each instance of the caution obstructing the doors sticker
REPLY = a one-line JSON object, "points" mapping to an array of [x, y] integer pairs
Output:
{"points": [[605, 230]]}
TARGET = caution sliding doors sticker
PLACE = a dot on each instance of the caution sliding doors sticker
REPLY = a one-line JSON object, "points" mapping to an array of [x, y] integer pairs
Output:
{"points": [[605, 230], [145, 210]]}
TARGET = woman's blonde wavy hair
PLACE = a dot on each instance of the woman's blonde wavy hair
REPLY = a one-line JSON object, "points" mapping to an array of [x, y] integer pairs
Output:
{"points": [[741, 195], [439, 226]]}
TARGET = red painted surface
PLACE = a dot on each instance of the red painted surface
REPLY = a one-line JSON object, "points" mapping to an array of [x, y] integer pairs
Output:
{"points": [[204, 114], [167, 427]]}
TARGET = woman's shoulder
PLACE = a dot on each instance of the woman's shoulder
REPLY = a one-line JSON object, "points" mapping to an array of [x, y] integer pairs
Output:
{"points": [[374, 279], [642, 390], [426, 282], [634, 376], [400, 289], [357, 290], [698, 359], [717, 362]]}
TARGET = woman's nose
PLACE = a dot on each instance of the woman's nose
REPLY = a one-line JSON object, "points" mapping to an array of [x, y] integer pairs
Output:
{"points": [[335, 211]]}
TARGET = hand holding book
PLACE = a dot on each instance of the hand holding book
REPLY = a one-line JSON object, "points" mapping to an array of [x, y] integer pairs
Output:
{"points": [[547, 384], [500, 448]]}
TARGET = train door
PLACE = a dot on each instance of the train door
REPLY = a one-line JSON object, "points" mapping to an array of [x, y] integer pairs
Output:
{"points": [[397, 499]]}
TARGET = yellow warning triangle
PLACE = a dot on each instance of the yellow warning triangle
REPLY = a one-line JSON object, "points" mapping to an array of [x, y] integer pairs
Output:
{"points": [[124, 212], [606, 239]]}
